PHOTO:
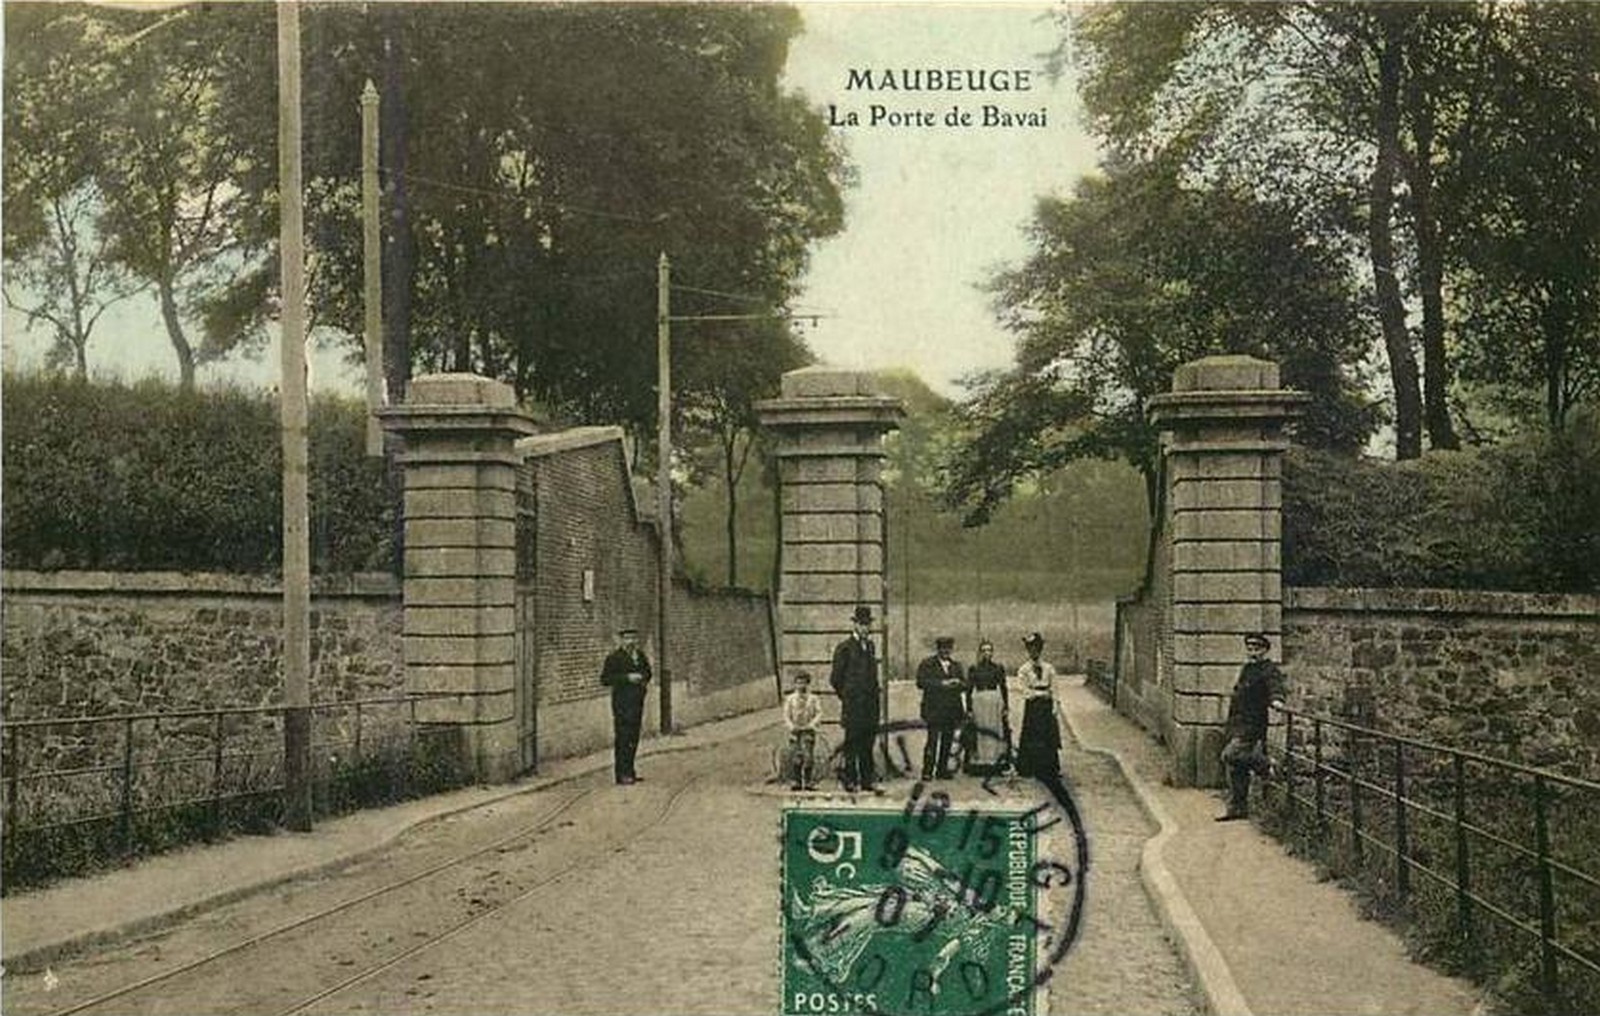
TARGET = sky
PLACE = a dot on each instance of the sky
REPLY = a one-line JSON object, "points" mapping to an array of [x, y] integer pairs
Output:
{"points": [[935, 210]]}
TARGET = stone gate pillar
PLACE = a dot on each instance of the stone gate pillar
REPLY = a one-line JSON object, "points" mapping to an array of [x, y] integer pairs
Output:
{"points": [[828, 428], [460, 568], [1222, 439]]}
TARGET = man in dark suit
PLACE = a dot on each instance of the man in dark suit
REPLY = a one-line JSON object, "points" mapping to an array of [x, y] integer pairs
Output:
{"points": [[942, 682], [626, 672], [1259, 687], [855, 679]]}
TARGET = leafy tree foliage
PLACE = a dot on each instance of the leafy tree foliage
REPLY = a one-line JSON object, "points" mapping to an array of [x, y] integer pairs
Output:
{"points": [[1130, 277], [553, 152], [727, 369], [1527, 258], [545, 155], [1413, 135], [170, 141], [58, 265]]}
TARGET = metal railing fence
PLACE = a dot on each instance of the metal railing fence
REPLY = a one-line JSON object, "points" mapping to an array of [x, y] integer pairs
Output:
{"points": [[1486, 857], [79, 792]]}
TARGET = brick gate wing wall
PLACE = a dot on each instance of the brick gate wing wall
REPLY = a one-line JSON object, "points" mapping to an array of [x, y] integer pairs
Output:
{"points": [[589, 520]]}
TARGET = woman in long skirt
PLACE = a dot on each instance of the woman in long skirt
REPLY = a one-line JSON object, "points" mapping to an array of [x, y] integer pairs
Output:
{"points": [[987, 741], [1038, 749]]}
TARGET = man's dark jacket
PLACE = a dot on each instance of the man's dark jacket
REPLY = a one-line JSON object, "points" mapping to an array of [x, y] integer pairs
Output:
{"points": [[941, 707], [1260, 681], [627, 699], [855, 679]]}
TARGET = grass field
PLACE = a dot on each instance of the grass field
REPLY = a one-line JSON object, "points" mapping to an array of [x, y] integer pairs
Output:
{"points": [[1073, 632]]}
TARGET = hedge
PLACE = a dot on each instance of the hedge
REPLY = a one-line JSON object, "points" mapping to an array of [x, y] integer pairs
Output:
{"points": [[1523, 515], [147, 477]]}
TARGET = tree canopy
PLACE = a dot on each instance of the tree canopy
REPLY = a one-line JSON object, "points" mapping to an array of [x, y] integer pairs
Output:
{"points": [[537, 160], [1308, 182], [1130, 277]]}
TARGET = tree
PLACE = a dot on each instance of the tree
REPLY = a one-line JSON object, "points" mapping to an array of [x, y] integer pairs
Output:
{"points": [[1348, 111], [1527, 258], [58, 268], [566, 147], [1131, 277], [67, 280], [188, 159], [724, 374]]}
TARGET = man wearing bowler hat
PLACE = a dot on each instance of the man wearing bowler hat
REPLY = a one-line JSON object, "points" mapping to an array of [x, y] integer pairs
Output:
{"points": [[855, 679], [626, 672], [942, 682], [1259, 686]]}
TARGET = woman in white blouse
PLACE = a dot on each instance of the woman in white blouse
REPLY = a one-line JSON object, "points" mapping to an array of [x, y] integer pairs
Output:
{"points": [[1038, 749]]}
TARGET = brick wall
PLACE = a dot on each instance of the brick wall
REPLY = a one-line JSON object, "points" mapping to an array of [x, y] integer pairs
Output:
{"points": [[1513, 675], [589, 520], [93, 643]]}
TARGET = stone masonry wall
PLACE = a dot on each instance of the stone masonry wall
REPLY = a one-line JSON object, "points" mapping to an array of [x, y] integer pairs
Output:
{"points": [[1512, 675], [96, 643]]}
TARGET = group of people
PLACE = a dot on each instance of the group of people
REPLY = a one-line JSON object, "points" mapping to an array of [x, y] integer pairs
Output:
{"points": [[967, 712]]}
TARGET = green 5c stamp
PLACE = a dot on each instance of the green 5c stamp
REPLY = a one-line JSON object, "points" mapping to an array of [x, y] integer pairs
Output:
{"points": [[940, 907]]}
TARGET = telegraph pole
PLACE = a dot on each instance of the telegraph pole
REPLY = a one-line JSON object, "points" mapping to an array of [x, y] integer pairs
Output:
{"points": [[296, 547], [372, 266], [664, 479]]}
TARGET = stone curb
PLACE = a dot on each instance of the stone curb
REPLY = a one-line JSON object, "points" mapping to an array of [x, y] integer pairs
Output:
{"points": [[1200, 953], [38, 957]]}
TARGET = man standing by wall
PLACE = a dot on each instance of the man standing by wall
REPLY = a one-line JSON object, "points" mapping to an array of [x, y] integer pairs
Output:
{"points": [[942, 682], [855, 679], [1260, 685], [626, 672]]}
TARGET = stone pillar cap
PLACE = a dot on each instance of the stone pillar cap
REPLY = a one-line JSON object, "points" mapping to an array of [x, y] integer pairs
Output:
{"points": [[457, 402], [1230, 372], [821, 381], [459, 390]]}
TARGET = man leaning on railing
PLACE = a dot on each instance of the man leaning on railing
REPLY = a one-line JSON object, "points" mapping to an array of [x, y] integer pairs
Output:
{"points": [[1260, 685]]}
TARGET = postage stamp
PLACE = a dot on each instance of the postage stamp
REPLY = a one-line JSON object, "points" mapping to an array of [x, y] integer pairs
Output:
{"points": [[958, 906]]}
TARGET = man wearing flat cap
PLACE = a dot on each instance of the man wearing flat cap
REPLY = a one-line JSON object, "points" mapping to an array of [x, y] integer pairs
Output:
{"points": [[943, 682], [1260, 685], [626, 672], [854, 678]]}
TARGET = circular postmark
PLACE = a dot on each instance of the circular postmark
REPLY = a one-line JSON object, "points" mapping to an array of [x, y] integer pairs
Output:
{"points": [[954, 897]]}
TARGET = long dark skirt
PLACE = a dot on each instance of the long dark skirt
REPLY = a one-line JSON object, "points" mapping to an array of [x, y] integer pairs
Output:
{"points": [[1038, 749]]}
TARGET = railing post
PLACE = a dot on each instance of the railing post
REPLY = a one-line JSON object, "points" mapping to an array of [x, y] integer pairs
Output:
{"points": [[1547, 904], [125, 821], [1353, 757], [1463, 867], [216, 776], [1402, 841], [1288, 765], [357, 750], [1317, 775], [13, 765]]}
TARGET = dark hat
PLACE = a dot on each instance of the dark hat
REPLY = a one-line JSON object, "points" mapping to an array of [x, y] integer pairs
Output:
{"points": [[985, 644], [944, 642], [1257, 639], [863, 615], [627, 631], [802, 675], [1033, 639]]}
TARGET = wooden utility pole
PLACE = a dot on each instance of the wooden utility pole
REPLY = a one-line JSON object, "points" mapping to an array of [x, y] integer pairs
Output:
{"points": [[372, 266], [664, 479], [296, 547]]}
